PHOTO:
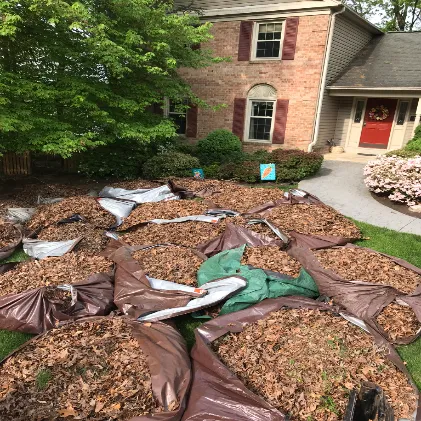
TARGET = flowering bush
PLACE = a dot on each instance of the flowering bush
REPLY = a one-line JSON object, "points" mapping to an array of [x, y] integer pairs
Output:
{"points": [[400, 178]]}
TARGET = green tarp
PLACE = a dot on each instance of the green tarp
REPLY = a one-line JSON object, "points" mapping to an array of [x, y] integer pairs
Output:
{"points": [[260, 284]]}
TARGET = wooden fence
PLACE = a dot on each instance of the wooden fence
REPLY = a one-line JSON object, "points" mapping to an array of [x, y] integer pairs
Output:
{"points": [[16, 164]]}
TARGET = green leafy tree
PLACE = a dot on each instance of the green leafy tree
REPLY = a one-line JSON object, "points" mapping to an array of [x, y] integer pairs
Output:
{"points": [[395, 15], [78, 74]]}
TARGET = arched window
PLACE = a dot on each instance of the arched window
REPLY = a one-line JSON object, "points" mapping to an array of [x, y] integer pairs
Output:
{"points": [[261, 103]]}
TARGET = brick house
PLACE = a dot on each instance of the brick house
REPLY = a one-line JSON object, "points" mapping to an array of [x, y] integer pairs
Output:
{"points": [[293, 77]]}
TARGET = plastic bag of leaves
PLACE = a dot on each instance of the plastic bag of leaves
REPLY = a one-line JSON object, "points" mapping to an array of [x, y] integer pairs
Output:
{"points": [[36, 295], [10, 239], [97, 369], [382, 290], [291, 358]]}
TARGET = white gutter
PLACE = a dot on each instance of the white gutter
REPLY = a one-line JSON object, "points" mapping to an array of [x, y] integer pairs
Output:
{"points": [[323, 81]]}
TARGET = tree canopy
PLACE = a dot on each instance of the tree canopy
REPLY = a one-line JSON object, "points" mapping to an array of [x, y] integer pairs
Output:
{"points": [[78, 74], [391, 15]]}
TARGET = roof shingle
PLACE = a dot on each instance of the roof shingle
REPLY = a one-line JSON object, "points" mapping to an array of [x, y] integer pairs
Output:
{"points": [[392, 60]]}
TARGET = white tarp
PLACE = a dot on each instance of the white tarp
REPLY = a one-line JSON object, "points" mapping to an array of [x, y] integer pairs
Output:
{"points": [[217, 291], [198, 218], [40, 249], [20, 215], [119, 208], [157, 194]]}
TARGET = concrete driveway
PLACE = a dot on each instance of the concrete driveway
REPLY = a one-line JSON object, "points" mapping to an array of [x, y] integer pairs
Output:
{"points": [[340, 184]]}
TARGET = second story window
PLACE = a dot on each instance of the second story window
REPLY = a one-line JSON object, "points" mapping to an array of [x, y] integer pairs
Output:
{"points": [[268, 40], [177, 114]]}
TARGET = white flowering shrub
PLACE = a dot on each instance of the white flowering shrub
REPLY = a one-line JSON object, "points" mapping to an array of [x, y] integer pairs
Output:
{"points": [[399, 178]]}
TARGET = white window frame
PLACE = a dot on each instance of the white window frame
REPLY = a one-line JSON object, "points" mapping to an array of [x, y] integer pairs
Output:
{"points": [[248, 120], [398, 108], [255, 39], [167, 113]]}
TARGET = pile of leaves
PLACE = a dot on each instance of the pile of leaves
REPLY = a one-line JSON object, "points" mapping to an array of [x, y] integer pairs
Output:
{"points": [[162, 210], [398, 321], [313, 219], [67, 269], [170, 263], [93, 240], [32, 192], [86, 206], [94, 370], [242, 199], [135, 184], [8, 234], [306, 362], [357, 264], [197, 185], [187, 234], [58, 296], [271, 258]]}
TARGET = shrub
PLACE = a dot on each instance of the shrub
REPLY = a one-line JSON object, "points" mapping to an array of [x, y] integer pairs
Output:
{"points": [[246, 171], [116, 160], [294, 164], [218, 147], [399, 178], [212, 171], [403, 153], [168, 164], [414, 145]]}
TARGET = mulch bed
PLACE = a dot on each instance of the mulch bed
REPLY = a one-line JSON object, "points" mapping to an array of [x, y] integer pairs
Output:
{"points": [[305, 363], [195, 185], [242, 199], [67, 269], [135, 184], [163, 210], [94, 370], [398, 321], [170, 263], [313, 219], [86, 206], [31, 192], [8, 234], [187, 234], [271, 258], [356, 264], [93, 240]]}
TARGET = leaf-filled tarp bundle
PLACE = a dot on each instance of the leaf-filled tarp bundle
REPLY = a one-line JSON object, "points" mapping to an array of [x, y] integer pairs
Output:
{"points": [[218, 394], [34, 311], [113, 368], [10, 239], [235, 236], [146, 298], [366, 300], [261, 284]]}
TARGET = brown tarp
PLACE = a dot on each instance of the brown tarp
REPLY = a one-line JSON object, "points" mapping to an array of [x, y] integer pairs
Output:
{"points": [[169, 365], [32, 312], [235, 236], [133, 294], [217, 394], [363, 299], [8, 250]]}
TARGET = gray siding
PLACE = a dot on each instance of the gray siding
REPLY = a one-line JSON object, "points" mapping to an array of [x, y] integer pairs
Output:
{"points": [[348, 39], [410, 124], [343, 120]]}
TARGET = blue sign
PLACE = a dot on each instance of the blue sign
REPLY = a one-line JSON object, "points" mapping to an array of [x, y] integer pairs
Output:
{"points": [[198, 173], [267, 172]]}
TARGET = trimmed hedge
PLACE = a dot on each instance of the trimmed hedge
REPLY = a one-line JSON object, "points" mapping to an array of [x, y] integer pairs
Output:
{"points": [[168, 164], [218, 147]]}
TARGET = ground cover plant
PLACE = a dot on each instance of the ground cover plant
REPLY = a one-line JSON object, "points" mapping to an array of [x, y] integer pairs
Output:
{"points": [[321, 369], [94, 370]]}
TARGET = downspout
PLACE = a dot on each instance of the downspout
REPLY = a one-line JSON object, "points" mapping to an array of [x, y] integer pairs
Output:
{"points": [[323, 81]]}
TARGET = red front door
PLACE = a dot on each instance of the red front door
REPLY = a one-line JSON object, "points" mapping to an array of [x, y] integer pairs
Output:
{"points": [[378, 120]]}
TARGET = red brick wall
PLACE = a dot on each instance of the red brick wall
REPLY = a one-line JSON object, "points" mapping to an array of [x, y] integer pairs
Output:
{"points": [[296, 80]]}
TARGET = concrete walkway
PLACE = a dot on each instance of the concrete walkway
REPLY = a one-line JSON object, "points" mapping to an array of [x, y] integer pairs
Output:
{"points": [[340, 184]]}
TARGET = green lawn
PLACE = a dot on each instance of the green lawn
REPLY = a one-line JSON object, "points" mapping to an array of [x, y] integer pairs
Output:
{"points": [[406, 246]]}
